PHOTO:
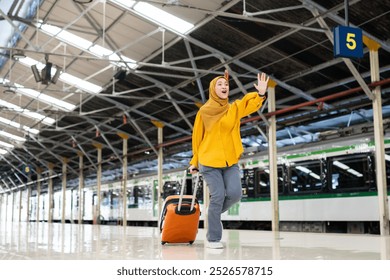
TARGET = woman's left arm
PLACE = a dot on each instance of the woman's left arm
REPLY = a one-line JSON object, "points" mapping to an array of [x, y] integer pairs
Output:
{"points": [[252, 101]]}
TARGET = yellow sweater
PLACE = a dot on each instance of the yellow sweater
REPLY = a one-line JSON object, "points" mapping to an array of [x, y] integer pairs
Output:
{"points": [[222, 146]]}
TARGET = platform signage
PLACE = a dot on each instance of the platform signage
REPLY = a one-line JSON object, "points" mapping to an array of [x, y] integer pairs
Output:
{"points": [[348, 42]]}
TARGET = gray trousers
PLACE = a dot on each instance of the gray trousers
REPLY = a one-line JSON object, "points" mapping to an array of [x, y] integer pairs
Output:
{"points": [[225, 190]]}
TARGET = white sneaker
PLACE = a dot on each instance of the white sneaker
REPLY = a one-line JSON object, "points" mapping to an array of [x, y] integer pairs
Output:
{"points": [[214, 245]]}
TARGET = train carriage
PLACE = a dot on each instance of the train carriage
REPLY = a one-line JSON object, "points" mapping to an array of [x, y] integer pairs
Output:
{"points": [[328, 187]]}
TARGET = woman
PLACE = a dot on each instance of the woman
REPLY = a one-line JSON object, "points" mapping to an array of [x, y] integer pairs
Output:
{"points": [[217, 147]]}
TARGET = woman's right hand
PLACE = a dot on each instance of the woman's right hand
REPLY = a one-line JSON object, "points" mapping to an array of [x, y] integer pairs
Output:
{"points": [[193, 169]]}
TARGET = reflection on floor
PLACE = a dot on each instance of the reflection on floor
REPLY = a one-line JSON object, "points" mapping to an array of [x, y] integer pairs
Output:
{"points": [[43, 241]]}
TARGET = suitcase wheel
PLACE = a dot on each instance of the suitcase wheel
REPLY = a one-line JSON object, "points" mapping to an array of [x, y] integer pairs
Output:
{"points": [[163, 242], [191, 242]]}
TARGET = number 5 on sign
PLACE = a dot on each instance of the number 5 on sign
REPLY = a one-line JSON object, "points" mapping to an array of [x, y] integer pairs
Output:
{"points": [[351, 42], [348, 42]]}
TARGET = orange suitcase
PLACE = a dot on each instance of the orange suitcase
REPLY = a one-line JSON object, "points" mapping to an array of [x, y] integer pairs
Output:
{"points": [[180, 217]]}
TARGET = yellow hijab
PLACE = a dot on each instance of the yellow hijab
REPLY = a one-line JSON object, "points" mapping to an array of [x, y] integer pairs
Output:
{"points": [[215, 107]]}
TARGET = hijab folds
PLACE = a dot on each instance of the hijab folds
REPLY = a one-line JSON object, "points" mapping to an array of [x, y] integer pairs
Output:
{"points": [[215, 107]]}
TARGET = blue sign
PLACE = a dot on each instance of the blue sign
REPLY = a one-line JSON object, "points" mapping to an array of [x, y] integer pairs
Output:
{"points": [[26, 169], [348, 42]]}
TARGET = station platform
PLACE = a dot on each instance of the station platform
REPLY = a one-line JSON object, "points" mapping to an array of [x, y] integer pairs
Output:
{"points": [[55, 241]]}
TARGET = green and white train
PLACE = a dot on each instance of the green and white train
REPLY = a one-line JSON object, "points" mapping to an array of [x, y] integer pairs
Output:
{"points": [[329, 186]]}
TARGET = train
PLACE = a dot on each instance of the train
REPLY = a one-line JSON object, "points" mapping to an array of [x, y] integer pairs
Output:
{"points": [[328, 186]]}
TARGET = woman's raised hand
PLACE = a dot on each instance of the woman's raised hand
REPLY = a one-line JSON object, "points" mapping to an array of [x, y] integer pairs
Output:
{"points": [[262, 83]]}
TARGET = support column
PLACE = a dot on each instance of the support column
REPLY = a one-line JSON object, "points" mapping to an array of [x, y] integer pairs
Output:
{"points": [[272, 154], [28, 212], [1, 207], [5, 201], [160, 158], [39, 176], [13, 218], [6, 207], [99, 147], [81, 186], [20, 205], [379, 140], [64, 167], [50, 187], [124, 176]]}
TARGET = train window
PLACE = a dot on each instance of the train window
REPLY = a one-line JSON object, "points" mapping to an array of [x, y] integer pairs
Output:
{"points": [[170, 188], [351, 172], [105, 199], [137, 196], [307, 177], [263, 186], [114, 200], [387, 169]]}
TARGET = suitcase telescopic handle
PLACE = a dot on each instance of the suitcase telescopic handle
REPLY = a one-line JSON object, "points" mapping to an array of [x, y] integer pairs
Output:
{"points": [[182, 190], [195, 190], [183, 183]]}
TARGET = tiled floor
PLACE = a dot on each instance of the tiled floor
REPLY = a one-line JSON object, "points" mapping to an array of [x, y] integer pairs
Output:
{"points": [[43, 241]]}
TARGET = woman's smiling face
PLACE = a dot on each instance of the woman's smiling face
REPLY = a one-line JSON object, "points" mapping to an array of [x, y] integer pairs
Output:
{"points": [[222, 88]]}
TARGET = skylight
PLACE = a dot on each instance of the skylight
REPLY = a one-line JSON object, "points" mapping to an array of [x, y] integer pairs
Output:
{"points": [[18, 126], [12, 136], [80, 83], [38, 95], [28, 113], [163, 18], [124, 3], [157, 15], [66, 36], [46, 98], [88, 46], [7, 145]]}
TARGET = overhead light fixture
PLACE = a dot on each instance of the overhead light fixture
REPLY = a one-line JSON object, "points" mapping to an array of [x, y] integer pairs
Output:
{"points": [[18, 55], [120, 75], [9, 91], [56, 75], [46, 73], [35, 71], [83, 1], [45, 76]]}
